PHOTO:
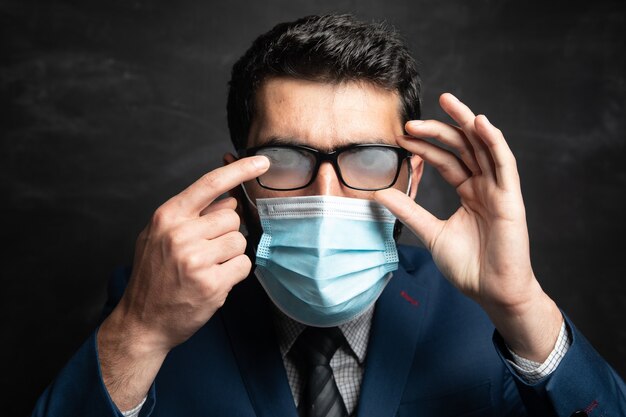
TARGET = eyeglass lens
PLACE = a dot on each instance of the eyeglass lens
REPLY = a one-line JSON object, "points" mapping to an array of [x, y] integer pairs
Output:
{"points": [[363, 167], [368, 168], [289, 168]]}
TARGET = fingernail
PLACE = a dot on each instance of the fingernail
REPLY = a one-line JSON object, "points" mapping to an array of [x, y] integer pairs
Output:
{"points": [[260, 162], [415, 123]]}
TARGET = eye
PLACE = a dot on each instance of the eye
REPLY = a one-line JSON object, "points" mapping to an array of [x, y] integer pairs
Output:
{"points": [[369, 167], [288, 158], [371, 159]]}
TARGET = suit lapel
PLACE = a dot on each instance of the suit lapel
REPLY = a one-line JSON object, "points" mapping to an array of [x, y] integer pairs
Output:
{"points": [[248, 321], [395, 331]]}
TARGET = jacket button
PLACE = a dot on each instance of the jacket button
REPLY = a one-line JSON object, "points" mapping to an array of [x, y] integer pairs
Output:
{"points": [[579, 414]]}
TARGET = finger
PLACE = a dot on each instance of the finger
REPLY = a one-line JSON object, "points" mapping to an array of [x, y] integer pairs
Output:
{"points": [[209, 226], [225, 203], [207, 188], [447, 164], [201, 236], [425, 226], [462, 114], [507, 175], [449, 135], [235, 269], [225, 247]]}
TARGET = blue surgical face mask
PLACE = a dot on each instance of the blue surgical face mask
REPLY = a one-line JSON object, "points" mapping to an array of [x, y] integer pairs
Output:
{"points": [[323, 260]]}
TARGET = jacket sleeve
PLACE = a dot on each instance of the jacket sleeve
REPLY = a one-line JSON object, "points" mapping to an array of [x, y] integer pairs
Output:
{"points": [[583, 382], [78, 389]]}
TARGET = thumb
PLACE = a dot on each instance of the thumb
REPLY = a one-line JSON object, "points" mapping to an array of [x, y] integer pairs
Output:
{"points": [[421, 222]]}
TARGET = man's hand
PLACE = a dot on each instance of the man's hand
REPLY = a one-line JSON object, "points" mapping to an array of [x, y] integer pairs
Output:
{"points": [[187, 260], [483, 248]]}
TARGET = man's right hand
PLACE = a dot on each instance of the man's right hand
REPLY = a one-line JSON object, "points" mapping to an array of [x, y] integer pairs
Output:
{"points": [[187, 260]]}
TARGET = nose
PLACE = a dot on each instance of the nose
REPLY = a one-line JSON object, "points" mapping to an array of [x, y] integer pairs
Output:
{"points": [[327, 182]]}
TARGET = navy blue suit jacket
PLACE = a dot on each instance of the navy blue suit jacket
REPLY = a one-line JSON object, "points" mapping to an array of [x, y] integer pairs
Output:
{"points": [[432, 352]]}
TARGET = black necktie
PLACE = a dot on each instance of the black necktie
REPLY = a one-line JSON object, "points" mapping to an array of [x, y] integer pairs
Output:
{"points": [[314, 349]]}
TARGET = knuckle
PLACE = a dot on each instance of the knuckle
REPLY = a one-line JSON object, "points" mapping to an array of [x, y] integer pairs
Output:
{"points": [[229, 218], [207, 289], [243, 265], [211, 180], [210, 286], [236, 221], [239, 241], [246, 264], [468, 124], [442, 167], [235, 242], [160, 217], [174, 240], [191, 263], [438, 134]]}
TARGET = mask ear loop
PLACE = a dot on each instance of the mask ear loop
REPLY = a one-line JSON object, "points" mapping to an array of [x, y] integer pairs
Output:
{"points": [[243, 187], [408, 188]]}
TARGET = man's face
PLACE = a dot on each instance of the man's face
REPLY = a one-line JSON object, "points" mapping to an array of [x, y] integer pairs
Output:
{"points": [[324, 117]]}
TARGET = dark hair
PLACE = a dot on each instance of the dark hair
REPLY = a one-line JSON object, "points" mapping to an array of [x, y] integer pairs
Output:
{"points": [[331, 49]]}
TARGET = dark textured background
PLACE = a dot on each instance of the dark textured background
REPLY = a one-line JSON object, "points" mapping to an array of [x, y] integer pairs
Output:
{"points": [[108, 108]]}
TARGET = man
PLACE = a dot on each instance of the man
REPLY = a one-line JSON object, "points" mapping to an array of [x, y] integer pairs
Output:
{"points": [[324, 115]]}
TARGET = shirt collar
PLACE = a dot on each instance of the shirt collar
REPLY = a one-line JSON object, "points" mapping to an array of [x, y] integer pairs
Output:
{"points": [[356, 332]]}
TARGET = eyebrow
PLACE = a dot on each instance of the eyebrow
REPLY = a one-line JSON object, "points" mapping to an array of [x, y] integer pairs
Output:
{"points": [[280, 140]]}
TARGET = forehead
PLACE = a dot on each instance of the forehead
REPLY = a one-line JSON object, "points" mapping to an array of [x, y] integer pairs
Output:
{"points": [[324, 116]]}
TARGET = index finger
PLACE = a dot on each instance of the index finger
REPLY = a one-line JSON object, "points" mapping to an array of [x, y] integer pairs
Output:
{"points": [[458, 110], [193, 199]]}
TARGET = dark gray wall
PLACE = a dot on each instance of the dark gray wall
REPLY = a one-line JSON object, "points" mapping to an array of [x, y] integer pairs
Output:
{"points": [[110, 107]]}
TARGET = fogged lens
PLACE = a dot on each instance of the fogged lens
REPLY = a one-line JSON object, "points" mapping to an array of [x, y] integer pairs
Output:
{"points": [[369, 168], [289, 168]]}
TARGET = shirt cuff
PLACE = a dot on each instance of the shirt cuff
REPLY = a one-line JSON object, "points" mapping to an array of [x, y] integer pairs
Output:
{"points": [[531, 371], [135, 411]]}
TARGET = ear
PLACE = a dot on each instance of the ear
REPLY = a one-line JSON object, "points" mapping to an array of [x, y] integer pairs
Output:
{"points": [[417, 169], [235, 192], [228, 158]]}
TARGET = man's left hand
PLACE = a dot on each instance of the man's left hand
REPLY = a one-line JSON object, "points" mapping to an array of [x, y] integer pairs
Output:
{"points": [[483, 248]]}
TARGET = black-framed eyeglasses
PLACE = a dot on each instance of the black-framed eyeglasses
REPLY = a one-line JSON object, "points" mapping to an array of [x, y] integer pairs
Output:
{"points": [[365, 167]]}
